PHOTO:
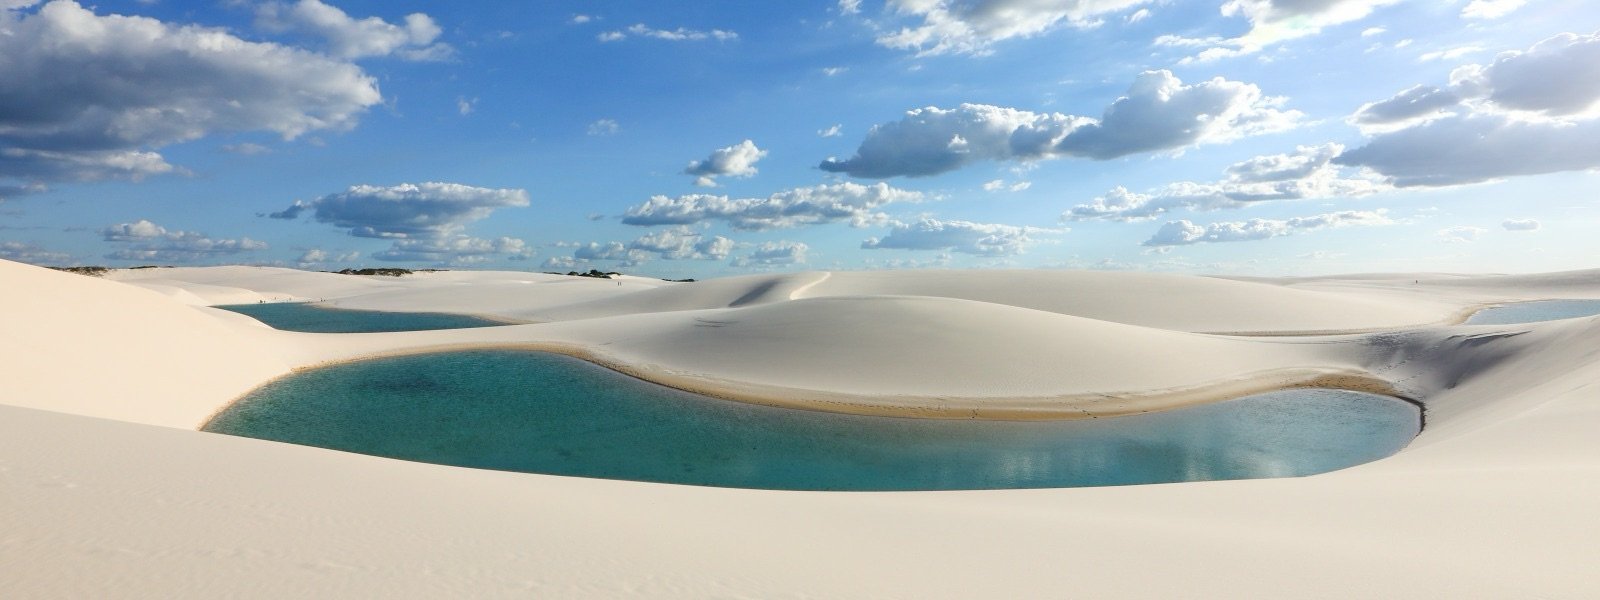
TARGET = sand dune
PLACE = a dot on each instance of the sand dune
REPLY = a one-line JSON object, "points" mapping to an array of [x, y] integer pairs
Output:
{"points": [[1491, 501]]}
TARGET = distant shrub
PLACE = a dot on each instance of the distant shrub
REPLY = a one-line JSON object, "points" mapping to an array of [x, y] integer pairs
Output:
{"points": [[593, 273], [383, 272], [90, 271]]}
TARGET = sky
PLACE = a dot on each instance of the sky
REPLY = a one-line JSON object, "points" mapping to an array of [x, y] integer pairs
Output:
{"points": [[705, 139]]}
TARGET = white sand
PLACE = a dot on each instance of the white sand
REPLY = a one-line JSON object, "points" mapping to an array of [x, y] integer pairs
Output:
{"points": [[1493, 500]]}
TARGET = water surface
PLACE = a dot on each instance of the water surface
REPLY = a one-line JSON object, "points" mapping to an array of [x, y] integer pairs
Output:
{"points": [[308, 317], [1533, 312], [546, 413]]}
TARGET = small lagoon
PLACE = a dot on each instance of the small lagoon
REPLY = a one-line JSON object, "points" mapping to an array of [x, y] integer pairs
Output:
{"points": [[538, 412], [1534, 312], [308, 317]]}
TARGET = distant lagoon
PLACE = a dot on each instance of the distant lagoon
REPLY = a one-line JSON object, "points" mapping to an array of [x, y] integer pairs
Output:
{"points": [[1533, 312], [313, 318], [546, 413]]}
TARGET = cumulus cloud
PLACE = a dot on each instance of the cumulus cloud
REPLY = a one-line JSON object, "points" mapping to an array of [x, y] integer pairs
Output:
{"points": [[1525, 113], [1307, 173], [1461, 234], [966, 237], [1478, 148], [1276, 21], [1490, 9], [103, 91], [682, 243], [318, 256], [604, 127], [148, 241], [1520, 224], [774, 254], [738, 160], [1417, 103], [426, 220], [971, 26], [32, 254], [680, 34], [1184, 232], [677, 243], [351, 38], [849, 202], [835, 131], [455, 249], [1158, 113], [246, 148]]}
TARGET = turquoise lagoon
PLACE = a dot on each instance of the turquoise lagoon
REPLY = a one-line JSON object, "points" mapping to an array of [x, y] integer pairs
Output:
{"points": [[538, 412], [308, 317]]}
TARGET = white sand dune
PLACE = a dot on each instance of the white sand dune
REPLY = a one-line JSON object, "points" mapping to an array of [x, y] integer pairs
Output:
{"points": [[1492, 500]]}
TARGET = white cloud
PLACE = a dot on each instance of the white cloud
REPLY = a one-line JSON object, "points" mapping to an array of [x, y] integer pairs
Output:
{"points": [[680, 34], [1307, 173], [1138, 15], [1490, 9], [1158, 113], [32, 254], [426, 221], [1461, 234], [738, 160], [1184, 232], [682, 243], [1520, 224], [966, 237], [1372, 31], [1417, 103], [317, 257], [604, 127], [999, 185], [562, 262], [774, 254], [849, 7], [971, 26], [850, 202], [1276, 21], [151, 242], [103, 91], [455, 250], [1450, 54], [351, 38], [246, 148], [465, 105], [1526, 113], [833, 71], [834, 131], [581, 19]]}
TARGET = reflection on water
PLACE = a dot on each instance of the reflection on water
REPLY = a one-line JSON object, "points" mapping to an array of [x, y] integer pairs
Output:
{"points": [[1533, 312], [304, 316], [545, 413]]}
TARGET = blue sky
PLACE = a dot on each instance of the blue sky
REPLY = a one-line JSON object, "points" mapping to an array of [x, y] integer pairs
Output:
{"points": [[703, 139]]}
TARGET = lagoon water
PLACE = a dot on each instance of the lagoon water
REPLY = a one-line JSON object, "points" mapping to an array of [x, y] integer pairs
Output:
{"points": [[307, 317], [546, 413], [1533, 312]]}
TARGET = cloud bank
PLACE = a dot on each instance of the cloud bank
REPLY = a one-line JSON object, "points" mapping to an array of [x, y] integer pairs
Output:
{"points": [[1183, 232], [103, 92], [1526, 113], [1159, 112], [148, 241], [966, 237], [849, 202], [426, 220]]}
